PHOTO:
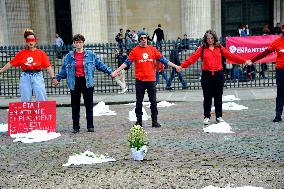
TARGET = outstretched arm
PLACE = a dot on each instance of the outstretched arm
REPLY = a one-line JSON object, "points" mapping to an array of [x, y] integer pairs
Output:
{"points": [[261, 55], [6, 67]]}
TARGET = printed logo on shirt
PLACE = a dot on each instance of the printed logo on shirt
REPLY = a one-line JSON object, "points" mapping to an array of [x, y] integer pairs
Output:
{"points": [[30, 61], [145, 58]]}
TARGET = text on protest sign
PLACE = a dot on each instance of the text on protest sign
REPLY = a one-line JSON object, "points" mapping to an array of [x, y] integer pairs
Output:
{"points": [[250, 46], [24, 117]]}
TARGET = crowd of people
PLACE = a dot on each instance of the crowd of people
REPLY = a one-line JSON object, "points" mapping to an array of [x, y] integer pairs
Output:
{"points": [[79, 67]]}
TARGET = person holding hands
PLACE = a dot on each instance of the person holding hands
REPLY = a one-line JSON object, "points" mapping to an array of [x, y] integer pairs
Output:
{"points": [[144, 57], [212, 78]]}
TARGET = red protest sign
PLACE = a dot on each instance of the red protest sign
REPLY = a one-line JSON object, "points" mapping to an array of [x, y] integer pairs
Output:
{"points": [[250, 46], [24, 117]]}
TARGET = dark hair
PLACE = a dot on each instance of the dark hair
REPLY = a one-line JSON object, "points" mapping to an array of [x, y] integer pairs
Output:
{"points": [[204, 40], [159, 25], [28, 32], [78, 37]]}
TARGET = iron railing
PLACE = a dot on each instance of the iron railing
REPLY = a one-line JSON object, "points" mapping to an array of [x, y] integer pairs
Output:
{"points": [[9, 81]]}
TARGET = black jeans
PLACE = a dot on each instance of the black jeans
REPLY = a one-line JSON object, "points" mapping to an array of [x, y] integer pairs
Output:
{"points": [[141, 87], [212, 86], [280, 91], [80, 88]]}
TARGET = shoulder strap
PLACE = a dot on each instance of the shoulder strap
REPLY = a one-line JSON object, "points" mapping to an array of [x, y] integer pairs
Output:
{"points": [[202, 51]]}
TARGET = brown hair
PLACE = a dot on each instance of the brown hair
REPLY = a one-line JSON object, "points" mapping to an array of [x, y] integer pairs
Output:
{"points": [[204, 40], [28, 32], [78, 37]]}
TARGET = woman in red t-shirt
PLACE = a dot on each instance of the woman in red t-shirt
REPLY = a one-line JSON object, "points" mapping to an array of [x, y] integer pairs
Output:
{"points": [[212, 78], [32, 61]]}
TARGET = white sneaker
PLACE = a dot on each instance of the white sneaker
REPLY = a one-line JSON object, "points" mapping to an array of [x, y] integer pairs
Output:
{"points": [[123, 90], [220, 119], [206, 121]]}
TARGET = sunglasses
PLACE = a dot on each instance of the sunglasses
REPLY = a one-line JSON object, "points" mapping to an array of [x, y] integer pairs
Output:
{"points": [[28, 40], [141, 38]]}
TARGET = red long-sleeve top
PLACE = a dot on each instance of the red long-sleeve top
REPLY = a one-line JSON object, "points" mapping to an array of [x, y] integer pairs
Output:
{"points": [[212, 59], [278, 46]]}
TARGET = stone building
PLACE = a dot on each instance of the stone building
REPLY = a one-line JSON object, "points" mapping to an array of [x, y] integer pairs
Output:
{"points": [[100, 20]]}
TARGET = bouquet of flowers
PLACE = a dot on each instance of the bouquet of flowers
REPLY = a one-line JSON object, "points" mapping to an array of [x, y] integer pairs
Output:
{"points": [[138, 141]]}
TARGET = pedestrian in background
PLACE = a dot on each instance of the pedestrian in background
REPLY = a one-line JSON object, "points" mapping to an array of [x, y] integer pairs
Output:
{"points": [[174, 58], [144, 56], [78, 68], [212, 78], [31, 60], [160, 70], [58, 46], [120, 79], [160, 36]]}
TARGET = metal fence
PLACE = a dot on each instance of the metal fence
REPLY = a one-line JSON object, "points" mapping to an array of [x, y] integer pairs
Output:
{"points": [[9, 81]]}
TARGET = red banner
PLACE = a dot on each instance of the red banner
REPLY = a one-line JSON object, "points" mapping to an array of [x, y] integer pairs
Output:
{"points": [[24, 117], [250, 46]]}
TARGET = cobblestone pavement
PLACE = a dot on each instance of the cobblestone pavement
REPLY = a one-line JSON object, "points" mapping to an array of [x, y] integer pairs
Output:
{"points": [[181, 155]]}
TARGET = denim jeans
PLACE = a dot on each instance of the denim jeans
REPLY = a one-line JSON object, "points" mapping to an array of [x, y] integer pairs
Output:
{"points": [[172, 77], [164, 75], [32, 82]]}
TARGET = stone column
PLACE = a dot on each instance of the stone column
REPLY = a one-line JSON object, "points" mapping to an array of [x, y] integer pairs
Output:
{"points": [[42, 20], [87, 19], [18, 19], [113, 12], [199, 16], [4, 40]]}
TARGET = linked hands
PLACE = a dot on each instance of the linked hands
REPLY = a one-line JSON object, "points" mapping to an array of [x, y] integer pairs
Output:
{"points": [[115, 73], [179, 68], [248, 62]]}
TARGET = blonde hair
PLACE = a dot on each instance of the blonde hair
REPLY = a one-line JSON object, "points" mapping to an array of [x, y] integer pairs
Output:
{"points": [[28, 32]]}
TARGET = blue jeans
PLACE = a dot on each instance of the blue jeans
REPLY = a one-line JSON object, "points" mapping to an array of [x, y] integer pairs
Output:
{"points": [[172, 77], [32, 82], [164, 75]]}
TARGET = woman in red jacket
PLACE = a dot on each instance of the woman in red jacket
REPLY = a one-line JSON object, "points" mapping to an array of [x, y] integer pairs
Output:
{"points": [[212, 79], [278, 46]]}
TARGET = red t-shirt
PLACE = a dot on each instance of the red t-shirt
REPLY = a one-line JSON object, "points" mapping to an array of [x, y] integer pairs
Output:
{"points": [[212, 59], [79, 67], [30, 60], [144, 58], [278, 46]]}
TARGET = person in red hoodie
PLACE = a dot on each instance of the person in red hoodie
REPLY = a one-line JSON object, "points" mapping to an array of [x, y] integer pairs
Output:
{"points": [[278, 47], [212, 78], [144, 57]]}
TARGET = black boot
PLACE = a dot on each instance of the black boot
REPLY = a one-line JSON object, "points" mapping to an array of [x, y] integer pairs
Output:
{"points": [[277, 119], [155, 121], [139, 121]]}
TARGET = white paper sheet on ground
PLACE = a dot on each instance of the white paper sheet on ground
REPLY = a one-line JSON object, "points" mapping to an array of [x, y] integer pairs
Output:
{"points": [[88, 157], [3, 128], [222, 127], [102, 109], [231, 106], [132, 115], [229, 98], [243, 187], [162, 104], [134, 103], [35, 136]]}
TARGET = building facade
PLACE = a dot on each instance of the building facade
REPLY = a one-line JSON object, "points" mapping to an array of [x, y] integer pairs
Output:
{"points": [[100, 20]]}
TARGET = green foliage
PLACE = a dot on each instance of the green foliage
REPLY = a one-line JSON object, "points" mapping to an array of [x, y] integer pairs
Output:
{"points": [[137, 137]]}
